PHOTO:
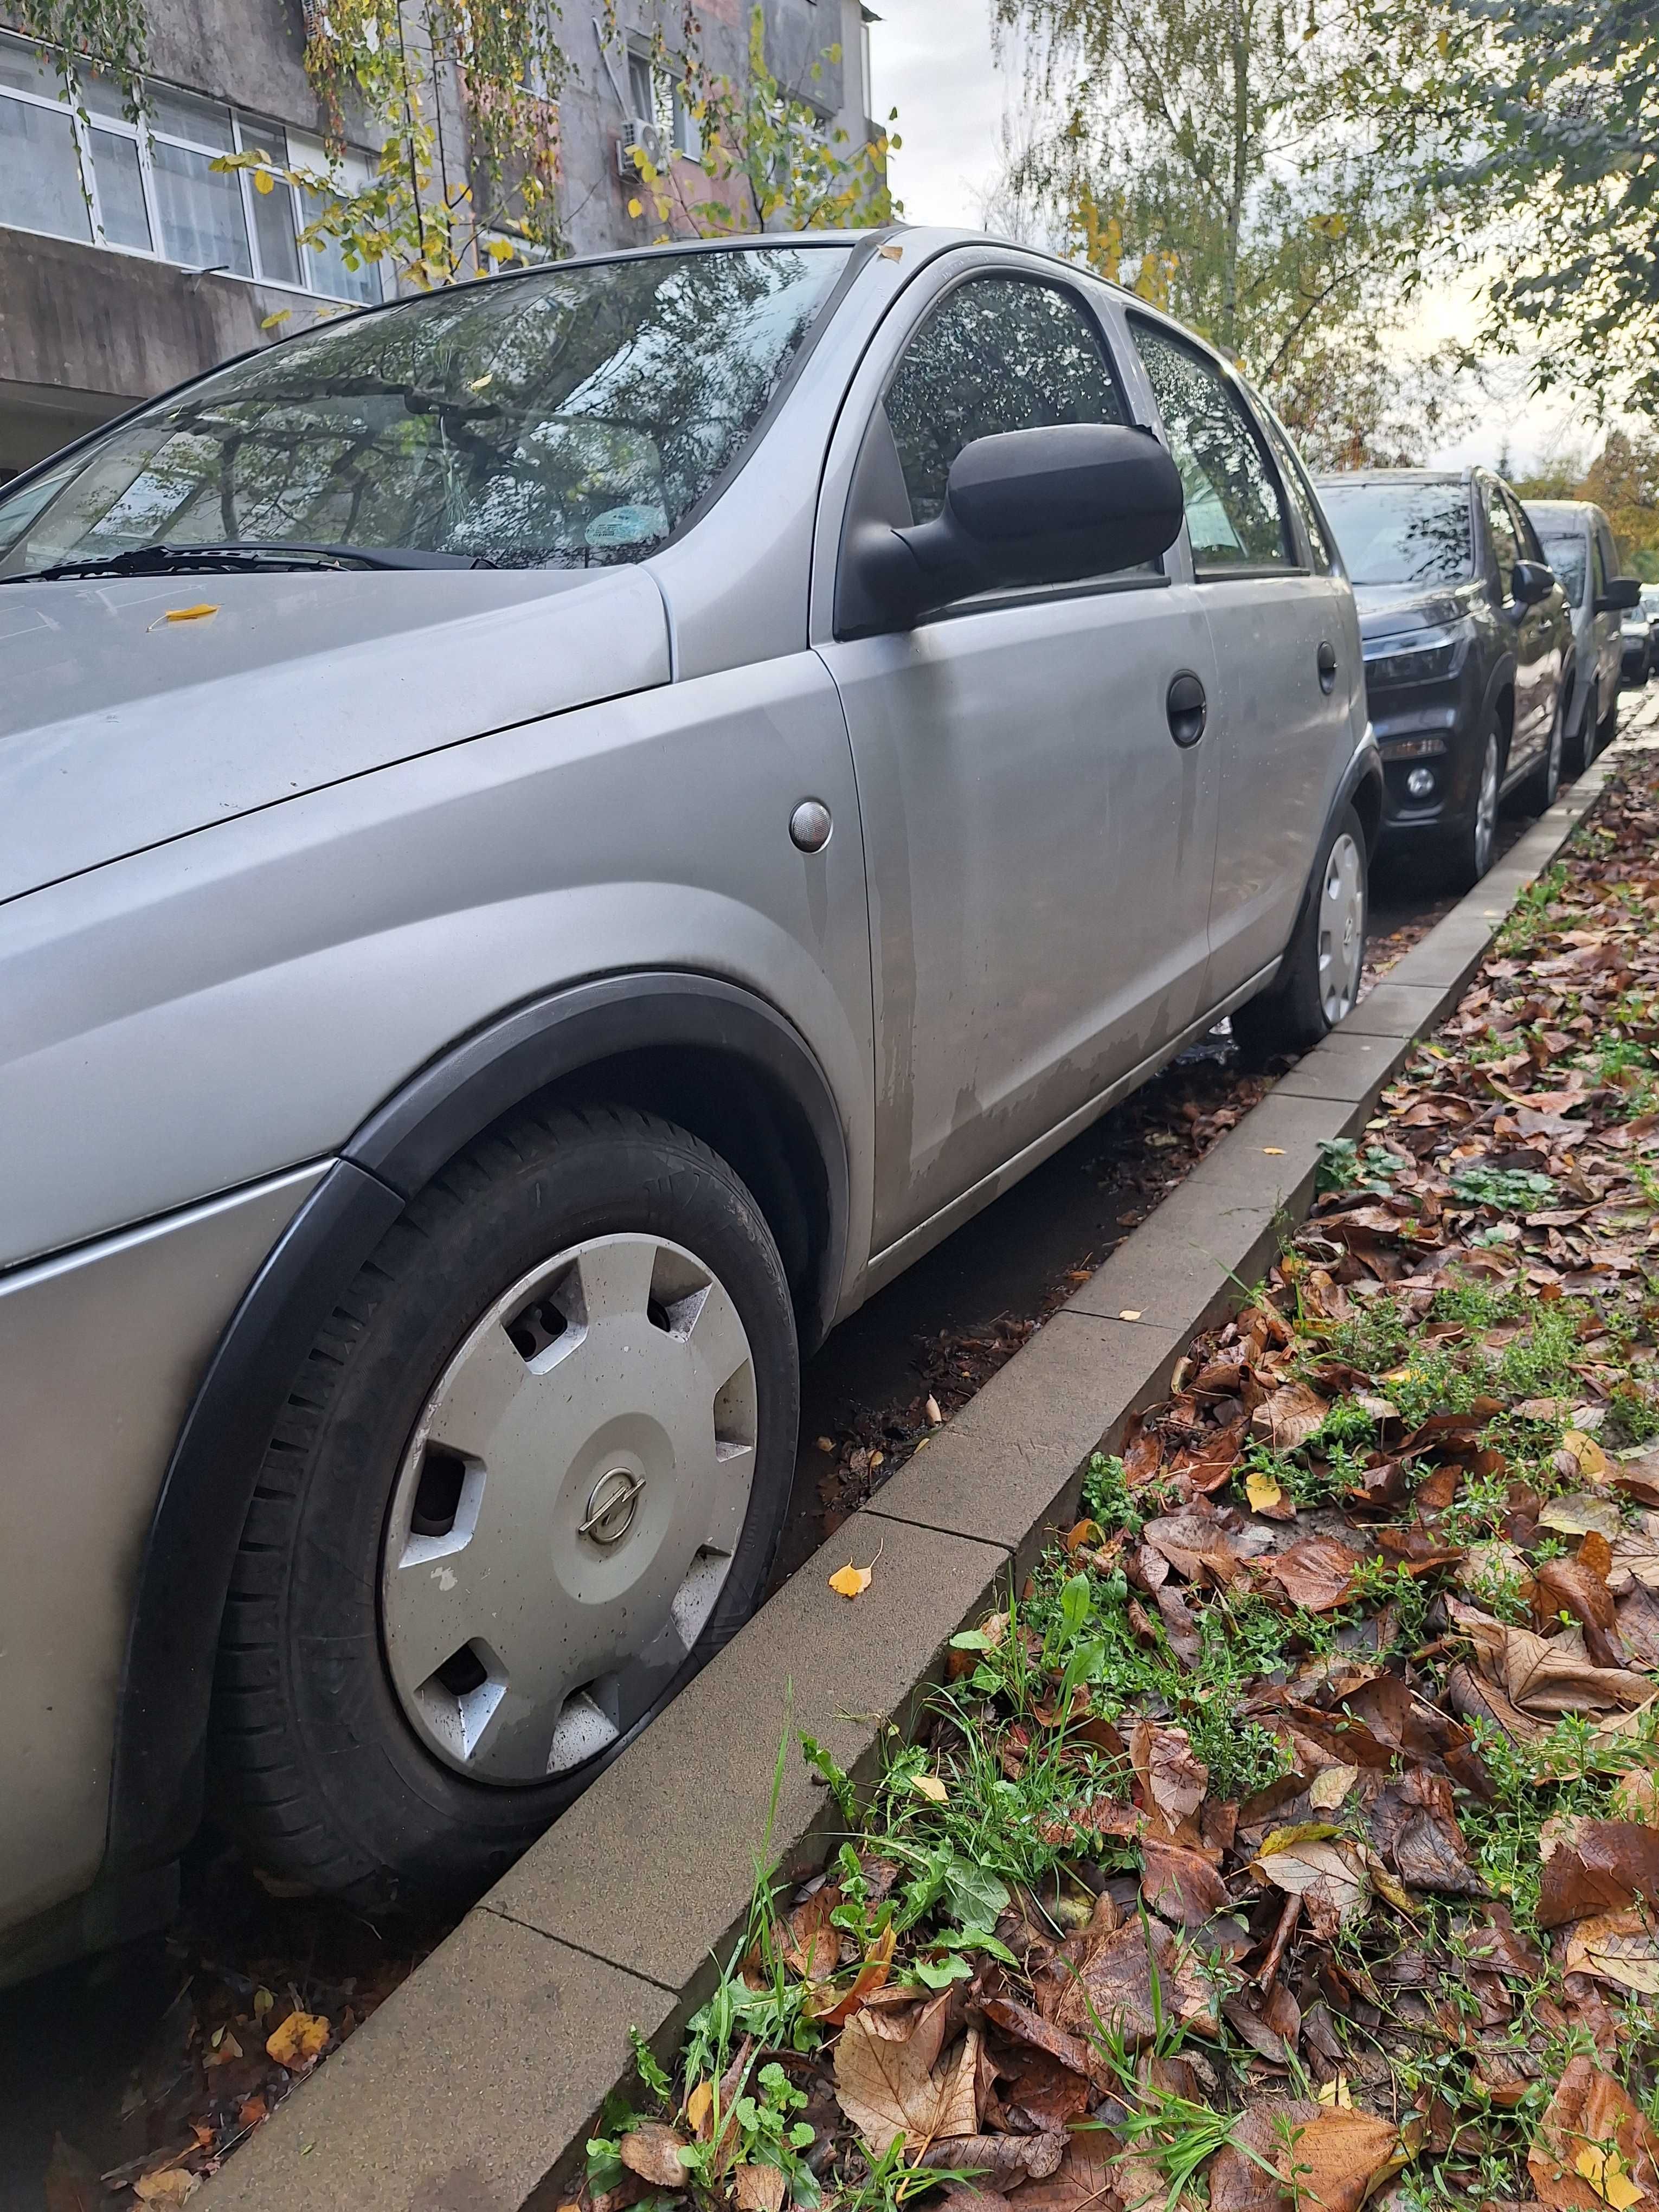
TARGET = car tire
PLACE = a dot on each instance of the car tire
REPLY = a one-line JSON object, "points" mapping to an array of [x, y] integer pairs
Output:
{"points": [[589, 1524], [1588, 743], [1474, 842], [1608, 727], [1318, 982], [1538, 793]]}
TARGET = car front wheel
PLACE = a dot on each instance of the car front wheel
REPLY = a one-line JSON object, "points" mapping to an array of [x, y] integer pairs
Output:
{"points": [[532, 1477], [1476, 841]]}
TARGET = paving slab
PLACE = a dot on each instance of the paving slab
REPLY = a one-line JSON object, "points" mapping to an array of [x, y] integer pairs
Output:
{"points": [[653, 1866], [1007, 1468], [1395, 1010], [460, 2092], [1347, 1068]]}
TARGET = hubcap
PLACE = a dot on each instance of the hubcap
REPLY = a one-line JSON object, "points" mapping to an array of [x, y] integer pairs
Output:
{"points": [[1342, 929], [568, 1511], [1486, 809]]}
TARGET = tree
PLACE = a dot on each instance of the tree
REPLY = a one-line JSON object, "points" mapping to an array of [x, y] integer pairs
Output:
{"points": [[767, 159], [1208, 153], [1540, 118]]}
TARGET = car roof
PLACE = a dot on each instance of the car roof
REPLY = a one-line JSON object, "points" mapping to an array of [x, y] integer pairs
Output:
{"points": [[1396, 475], [1584, 511]]}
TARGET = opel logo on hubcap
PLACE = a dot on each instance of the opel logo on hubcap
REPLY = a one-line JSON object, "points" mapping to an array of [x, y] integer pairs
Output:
{"points": [[611, 1505]]}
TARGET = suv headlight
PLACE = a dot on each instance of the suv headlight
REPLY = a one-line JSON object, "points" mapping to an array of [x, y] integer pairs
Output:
{"points": [[1419, 657]]}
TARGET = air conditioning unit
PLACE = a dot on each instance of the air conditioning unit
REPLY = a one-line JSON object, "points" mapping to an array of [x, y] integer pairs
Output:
{"points": [[644, 137]]}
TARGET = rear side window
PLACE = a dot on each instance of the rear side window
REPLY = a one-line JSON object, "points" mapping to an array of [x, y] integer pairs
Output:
{"points": [[1235, 517], [1296, 483], [1000, 352]]}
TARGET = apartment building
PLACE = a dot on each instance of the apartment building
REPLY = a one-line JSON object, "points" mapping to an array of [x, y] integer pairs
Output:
{"points": [[128, 261]]}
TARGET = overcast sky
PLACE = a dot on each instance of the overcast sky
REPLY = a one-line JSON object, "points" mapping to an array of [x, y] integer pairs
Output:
{"points": [[932, 60]]}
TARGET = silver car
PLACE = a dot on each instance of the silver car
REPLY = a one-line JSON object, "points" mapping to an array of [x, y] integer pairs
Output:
{"points": [[1578, 545], [555, 836]]}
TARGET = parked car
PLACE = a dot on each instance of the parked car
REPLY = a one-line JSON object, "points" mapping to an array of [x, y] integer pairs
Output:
{"points": [[557, 835], [1578, 543], [1636, 647], [1468, 653]]}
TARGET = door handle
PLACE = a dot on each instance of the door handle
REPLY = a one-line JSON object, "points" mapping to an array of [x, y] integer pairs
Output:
{"points": [[1326, 665], [1187, 708]]}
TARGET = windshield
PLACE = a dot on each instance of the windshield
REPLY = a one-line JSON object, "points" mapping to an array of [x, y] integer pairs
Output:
{"points": [[564, 419], [1412, 533], [1568, 557]]}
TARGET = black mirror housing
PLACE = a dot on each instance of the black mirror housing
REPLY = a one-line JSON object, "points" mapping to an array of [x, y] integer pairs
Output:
{"points": [[1530, 582], [1622, 594], [1029, 506]]}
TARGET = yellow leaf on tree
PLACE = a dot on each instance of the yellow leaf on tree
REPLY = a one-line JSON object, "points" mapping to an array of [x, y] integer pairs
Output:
{"points": [[850, 1581], [263, 180], [1604, 2170], [636, 207], [930, 1787], [1262, 1492]]}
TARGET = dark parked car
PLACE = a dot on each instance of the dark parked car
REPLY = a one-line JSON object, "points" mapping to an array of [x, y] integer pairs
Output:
{"points": [[1578, 545], [1468, 652], [1635, 645]]}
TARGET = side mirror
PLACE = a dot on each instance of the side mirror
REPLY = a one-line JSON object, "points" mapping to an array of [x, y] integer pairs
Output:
{"points": [[1029, 506], [1622, 594], [1529, 582]]}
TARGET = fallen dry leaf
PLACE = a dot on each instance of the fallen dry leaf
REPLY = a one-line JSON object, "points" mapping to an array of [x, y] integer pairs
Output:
{"points": [[930, 1787], [1316, 1574], [298, 2043], [1620, 1947], [651, 2149], [892, 2081], [170, 2185], [1590, 2111], [1594, 1867], [757, 2188], [850, 1581]]}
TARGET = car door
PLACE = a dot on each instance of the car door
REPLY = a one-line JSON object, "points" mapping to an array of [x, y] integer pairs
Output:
{"points": [[1039, 844], [1529, 628], [1285, 643]]}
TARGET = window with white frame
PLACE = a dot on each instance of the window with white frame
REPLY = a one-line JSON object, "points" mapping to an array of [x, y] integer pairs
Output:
{"points": [[655, 96], [88, 171]]}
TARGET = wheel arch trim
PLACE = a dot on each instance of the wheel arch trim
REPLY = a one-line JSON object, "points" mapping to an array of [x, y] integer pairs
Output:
{"points": [[159, 1767]]}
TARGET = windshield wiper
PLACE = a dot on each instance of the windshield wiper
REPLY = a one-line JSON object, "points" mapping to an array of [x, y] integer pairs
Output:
{"points": [[238, 557]]}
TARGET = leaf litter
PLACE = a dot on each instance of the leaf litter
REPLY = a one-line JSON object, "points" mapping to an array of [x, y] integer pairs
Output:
{"points": [[1293, 1839]]}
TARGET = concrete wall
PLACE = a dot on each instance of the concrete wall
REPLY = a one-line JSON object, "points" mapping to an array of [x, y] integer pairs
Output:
{"points": [[84, 333]]}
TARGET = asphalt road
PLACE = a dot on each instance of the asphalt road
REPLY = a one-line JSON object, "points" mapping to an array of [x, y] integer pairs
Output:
{"points": [[91, 2053]]}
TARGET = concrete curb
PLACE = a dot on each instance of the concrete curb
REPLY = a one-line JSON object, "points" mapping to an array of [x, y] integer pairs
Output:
{"points": [[474, 2088]]}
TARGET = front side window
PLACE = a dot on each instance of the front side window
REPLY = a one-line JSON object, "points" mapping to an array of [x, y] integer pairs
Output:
{"points": [[1235, 519], [89, 173], [567, 418], [1505, 543], [998, 353], [1400, 533], [1566, 555]]}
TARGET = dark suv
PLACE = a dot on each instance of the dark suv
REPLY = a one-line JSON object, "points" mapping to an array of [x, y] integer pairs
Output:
{"points": [[1468, 652]]}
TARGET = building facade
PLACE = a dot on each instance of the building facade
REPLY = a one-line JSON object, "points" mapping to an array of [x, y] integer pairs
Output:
{"points": [[129, 261]]}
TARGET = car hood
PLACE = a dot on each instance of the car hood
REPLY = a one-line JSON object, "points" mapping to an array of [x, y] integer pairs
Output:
{"points": [[1388, 609], [138, 710]]}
